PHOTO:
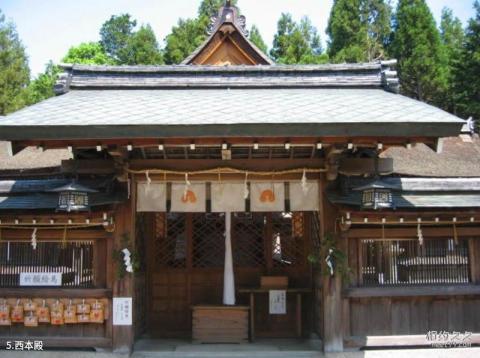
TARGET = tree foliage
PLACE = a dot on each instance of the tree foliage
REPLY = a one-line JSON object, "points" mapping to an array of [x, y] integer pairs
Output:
{"points": [[297, 43], [452, 36], [358, 30], [88, 53], [467, 79], [142, 48], [188, 34], [125, 46], [257, 39], [417, 46], [115, 34], [14, 70], [185, 37], [41, 88]]}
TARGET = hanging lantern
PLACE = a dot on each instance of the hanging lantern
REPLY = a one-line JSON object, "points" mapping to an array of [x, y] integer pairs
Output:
{"points": [[73, 197], [376, 195]]}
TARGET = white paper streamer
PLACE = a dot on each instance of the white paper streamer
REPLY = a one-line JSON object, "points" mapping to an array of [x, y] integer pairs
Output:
{"points": [[304, 182], [419, 234], [34, 239], [245, 187]]}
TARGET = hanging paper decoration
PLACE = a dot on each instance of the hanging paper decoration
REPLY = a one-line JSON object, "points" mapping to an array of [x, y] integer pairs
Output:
{"points": [[228, 197], [127, 258], [304, 196], [34, 239], [246, 192], [419, 234], [151, 197], [304, 182], [267, 196], [330, 262], [188, 197]]}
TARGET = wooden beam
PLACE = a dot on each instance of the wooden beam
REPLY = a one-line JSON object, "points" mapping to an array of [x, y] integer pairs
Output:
{"points": [[56, 292], [332, 306], [441, 290], [411, 232], [246, 164]]}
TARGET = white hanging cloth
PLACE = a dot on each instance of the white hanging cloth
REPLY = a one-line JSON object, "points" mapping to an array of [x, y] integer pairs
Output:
{"points": [[228, 197], [189, 198], [304, 196], [228, 277], [151, 197], [267, 196]]}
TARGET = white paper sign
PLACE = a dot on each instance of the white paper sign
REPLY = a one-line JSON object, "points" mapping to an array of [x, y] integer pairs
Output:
{"points": [[278, 302], [122, 311], [40, 278]]}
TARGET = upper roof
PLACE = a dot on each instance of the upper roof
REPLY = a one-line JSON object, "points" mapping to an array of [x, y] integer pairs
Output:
{"points": [[228, 43], [250, 98], [200, 101]]}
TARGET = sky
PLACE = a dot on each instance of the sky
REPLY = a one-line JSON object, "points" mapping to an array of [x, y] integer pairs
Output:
{"points": [[48, 28]]}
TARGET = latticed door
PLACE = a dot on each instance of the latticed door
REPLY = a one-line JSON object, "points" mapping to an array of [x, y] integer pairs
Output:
{"points": [[187, 262]]}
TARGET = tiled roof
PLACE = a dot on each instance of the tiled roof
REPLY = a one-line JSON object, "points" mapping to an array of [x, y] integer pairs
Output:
{"points": [[223, 112], [31, 158], [363, 75], [460, 157]]}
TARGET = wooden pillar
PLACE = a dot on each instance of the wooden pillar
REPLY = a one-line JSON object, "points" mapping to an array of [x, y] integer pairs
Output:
{"points": [[331, 286], [123, 336]]}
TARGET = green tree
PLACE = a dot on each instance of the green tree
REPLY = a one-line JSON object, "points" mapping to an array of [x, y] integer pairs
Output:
{"points": [[297, 43], [376, 16], [358, 30], [417, 46], [452, 36], [89, 53], [257, 39], [467, 84], [14, 71], [185, 37], [347, 32], [188, 34], [42, 87], [142, 48], [115, 34]]}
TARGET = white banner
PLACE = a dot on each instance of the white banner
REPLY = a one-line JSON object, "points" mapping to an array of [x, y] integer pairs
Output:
{"points": [[228, 197], [228, 275], [151, 197], [304, 197], [188, 199], [267, 196]]}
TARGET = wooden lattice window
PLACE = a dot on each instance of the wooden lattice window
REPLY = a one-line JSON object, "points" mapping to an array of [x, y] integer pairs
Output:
{"points": [[74, 261], [406, 262], [171, 240], [287, 239], [248, 230], [208, 240]]}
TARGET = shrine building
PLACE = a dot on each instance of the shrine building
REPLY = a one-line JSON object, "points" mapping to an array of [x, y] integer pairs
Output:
{"points": [[230, 199]]}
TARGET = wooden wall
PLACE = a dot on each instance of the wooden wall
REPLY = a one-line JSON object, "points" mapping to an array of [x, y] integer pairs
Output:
{"points": [[380, 316], [68, 335]]}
